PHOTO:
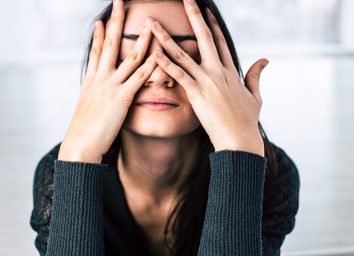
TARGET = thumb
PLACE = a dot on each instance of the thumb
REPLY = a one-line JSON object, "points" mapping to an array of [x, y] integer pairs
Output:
{"points": [[253, 75]]}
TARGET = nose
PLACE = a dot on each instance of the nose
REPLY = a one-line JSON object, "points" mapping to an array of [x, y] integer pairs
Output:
{"points": [[158, 77]]}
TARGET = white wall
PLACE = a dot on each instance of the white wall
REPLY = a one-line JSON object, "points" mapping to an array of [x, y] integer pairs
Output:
{"points": [[347, 23], [37, 29]]}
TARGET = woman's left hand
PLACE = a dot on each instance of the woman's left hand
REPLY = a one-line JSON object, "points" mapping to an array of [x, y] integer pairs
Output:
{"points": [[227, 110]]}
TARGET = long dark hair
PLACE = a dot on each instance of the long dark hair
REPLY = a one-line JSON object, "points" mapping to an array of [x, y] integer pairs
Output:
{"points": [[186, 220]]}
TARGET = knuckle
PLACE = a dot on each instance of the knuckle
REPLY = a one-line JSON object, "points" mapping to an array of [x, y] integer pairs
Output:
{"points": [[166, 62], [97, 37], [209, 81], [133, 56], [115, 18], [150, 63], [179, 74], [149, 60], [144, 34], [194, 10], [221, 39], [208, 35], [140, 72], [108, 42], [180, 55], [165, 37], [95, 51], [220, 73], [255, 76]]}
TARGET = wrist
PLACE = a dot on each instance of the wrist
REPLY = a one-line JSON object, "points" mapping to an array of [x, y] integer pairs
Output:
{"points": [[252, 143], [79, 156]]}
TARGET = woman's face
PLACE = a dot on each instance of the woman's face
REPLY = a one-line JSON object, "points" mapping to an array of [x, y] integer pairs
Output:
{"points": [[141, 119]]}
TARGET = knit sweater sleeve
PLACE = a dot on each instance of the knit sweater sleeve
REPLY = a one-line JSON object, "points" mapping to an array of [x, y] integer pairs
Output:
{"points": [[76, 226], [233, 219]]}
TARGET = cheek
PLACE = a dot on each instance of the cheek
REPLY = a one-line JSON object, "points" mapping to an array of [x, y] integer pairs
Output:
{"points": [[194, 54], [191, 48]]}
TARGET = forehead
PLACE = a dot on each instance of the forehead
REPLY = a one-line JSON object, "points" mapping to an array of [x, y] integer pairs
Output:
{"points": [[171, 14]]}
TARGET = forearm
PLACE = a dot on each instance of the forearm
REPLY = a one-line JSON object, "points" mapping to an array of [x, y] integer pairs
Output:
{"points": [[76, 226], [233, 219]]}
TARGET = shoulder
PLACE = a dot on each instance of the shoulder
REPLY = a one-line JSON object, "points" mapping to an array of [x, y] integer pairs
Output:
{"points": [[51, 155], [43, 182], [284, 160], [282, 204], [45, 166], [287, 181], [283, 195], [43, 189]]}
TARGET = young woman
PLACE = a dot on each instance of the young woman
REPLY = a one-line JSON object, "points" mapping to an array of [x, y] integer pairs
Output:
{"points": [[165, 154]]}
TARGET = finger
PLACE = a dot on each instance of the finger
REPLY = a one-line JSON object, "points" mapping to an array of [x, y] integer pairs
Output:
{"points": [[253, 76], [96, 49], [204, 36], [176, 72], [136, 55], [223, 49], [135, 81], [174, 51], [112, 40]]}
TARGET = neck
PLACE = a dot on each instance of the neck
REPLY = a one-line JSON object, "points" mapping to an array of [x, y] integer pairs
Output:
{"points": [[156, 167]]}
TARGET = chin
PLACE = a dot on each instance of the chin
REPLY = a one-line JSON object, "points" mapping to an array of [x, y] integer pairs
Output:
{"points": [[170, 126], [161, 124], [160, 130]]}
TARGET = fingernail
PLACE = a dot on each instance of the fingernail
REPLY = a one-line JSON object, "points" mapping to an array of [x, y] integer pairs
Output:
{"points": [[158, 26], [191, 1], [147, 22], [265, 64], [115, 3]]}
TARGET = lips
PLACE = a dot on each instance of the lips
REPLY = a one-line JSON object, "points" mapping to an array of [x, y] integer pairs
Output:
{"points": [[157, 100]]}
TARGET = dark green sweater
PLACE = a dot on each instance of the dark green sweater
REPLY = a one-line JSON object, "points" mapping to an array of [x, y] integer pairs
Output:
{"points": [[237, 222]]}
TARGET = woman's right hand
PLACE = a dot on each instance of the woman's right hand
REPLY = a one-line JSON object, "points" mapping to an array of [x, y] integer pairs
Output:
{"points": [[107, 92]]}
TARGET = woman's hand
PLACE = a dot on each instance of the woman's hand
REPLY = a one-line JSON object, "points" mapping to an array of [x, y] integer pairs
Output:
{"points": [[228, 111], [106, 93]]}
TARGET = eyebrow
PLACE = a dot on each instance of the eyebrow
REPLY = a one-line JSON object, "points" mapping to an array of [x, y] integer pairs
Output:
{"points": [[176, 38]]}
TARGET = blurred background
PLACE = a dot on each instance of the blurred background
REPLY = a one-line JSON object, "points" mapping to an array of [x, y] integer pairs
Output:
{"points": [[307, 88]]}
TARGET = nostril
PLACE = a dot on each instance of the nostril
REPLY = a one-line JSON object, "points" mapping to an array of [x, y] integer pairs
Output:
{"points": [[169, 84], [147, 83]]}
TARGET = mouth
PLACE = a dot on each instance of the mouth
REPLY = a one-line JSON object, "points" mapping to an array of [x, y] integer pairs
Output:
{"points": [[157, 100], [157, 106]]}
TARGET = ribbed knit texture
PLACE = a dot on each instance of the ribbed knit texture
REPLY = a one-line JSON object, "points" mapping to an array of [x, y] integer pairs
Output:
{"points": [[233, 217], [278, 217], [232, 224], [76, 227]]}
